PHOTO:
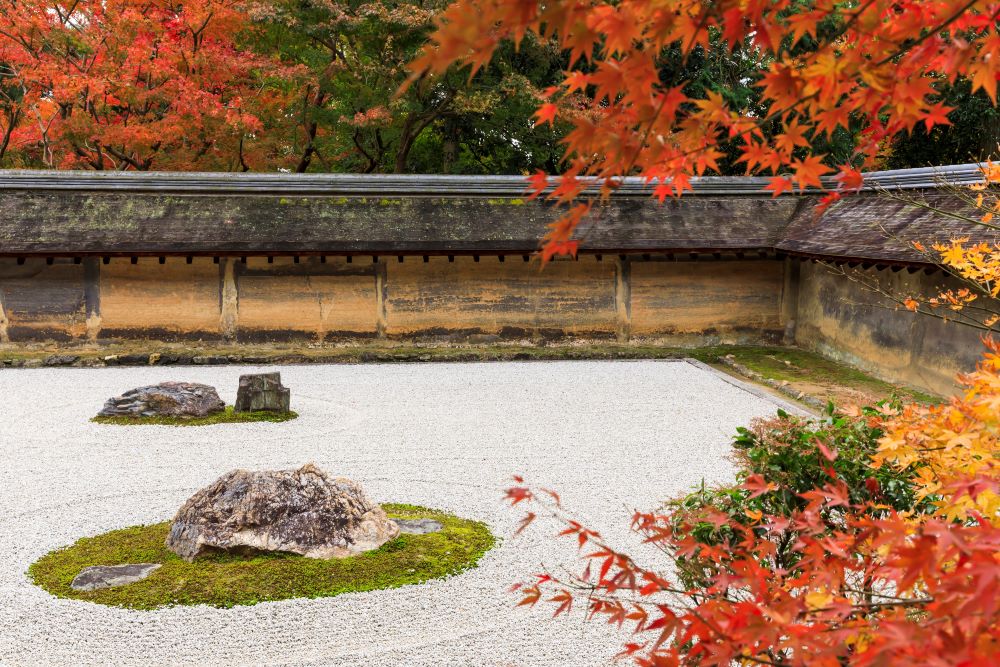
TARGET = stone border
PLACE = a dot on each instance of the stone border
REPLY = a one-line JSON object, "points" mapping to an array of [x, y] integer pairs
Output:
{"points": [[783, 388], [355, 356], [787, 406]]}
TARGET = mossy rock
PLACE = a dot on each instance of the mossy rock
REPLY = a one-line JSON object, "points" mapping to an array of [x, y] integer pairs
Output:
{"points": [[227, 580], [227, 416]]}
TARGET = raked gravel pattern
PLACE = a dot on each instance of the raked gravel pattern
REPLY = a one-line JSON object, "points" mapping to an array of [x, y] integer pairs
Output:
{"points": [[610, 436]]}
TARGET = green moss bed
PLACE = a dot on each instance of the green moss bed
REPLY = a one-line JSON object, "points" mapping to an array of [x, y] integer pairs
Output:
{"points": [[227, 416], [225, 580]]}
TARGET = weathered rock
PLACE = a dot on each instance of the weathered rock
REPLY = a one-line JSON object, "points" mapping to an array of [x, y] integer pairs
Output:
{"points": [[133, 359], [418, 526], [262, 391], [61, 360], [300, 511], [169, 399], [108, 576], [210, 360]]}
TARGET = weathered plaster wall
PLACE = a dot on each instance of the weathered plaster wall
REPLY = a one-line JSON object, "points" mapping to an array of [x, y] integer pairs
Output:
{"points": [[149, 299], [317, 299], [727, 300], [42, 301], [725, 297], [841, 319], [486, 295], [310, 299]]}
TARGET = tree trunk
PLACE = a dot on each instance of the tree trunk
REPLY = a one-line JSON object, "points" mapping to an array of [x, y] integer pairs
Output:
{"points": [[449, 153], [311, 127]]}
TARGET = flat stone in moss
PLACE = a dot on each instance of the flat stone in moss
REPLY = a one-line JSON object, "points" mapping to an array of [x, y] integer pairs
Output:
{"points": [[96, 577]]}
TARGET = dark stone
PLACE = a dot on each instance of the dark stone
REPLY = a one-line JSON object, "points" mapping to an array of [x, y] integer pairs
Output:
{"points": [[256, 360], [133, 359], [418, 526], [61, 360], [169, 399], [108, 576], [262, 391], [300, 511]]}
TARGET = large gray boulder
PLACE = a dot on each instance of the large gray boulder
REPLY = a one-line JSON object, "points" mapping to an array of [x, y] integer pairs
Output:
{"points": [[167, 399], [262, 391], [300, 511]]}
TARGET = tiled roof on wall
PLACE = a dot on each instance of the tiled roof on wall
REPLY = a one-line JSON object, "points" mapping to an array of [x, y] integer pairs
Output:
{"points": [[115, 213]]}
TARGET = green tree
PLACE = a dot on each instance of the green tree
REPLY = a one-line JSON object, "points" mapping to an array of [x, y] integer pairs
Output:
{"points": [[973, 135], [350, 117]]}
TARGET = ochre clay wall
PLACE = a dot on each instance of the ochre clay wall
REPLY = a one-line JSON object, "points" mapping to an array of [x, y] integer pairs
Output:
{"points": [[706, 297], [158, 299], [325, 299], [311, 299], [512, 297], [842, 319], [713, 299], [41, 301]]}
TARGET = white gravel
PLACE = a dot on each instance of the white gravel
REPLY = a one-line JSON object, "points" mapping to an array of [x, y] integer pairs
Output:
{"points": [[610, 436]]}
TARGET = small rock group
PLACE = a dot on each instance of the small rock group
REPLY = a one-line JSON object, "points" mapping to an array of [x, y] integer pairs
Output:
{"points": [[257, 392]]}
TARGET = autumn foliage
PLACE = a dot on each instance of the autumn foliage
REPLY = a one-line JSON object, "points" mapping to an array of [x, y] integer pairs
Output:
{"points": [[118, 84], [975, 266], [871, 68], [869, 538]]}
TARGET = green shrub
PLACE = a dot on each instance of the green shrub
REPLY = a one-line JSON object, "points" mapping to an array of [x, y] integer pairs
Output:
{"points": [[796, 455]]}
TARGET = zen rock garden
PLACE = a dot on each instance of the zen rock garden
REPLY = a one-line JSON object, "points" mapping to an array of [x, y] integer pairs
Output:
{"points": [[260, 397], [370, 531], [230, 540]]}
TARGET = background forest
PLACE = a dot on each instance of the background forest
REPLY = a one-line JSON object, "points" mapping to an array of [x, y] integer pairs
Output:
{"points": [[311, 86]]}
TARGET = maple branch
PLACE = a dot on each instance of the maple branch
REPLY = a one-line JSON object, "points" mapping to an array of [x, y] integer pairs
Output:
{"points": [[916, 203], [356, 138], [982, 288], [140, 166], [959, 318], [930, 32], [311, 126]]}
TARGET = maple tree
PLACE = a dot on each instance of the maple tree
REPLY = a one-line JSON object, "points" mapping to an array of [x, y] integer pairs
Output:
{"points": [[806, 562], [117, 84], [953, 443], [873, 65], [972, 136]]}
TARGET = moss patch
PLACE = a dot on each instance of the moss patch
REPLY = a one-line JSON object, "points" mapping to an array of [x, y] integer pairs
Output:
{"points": [[820, 377], [227, 580], [227, 416]]}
